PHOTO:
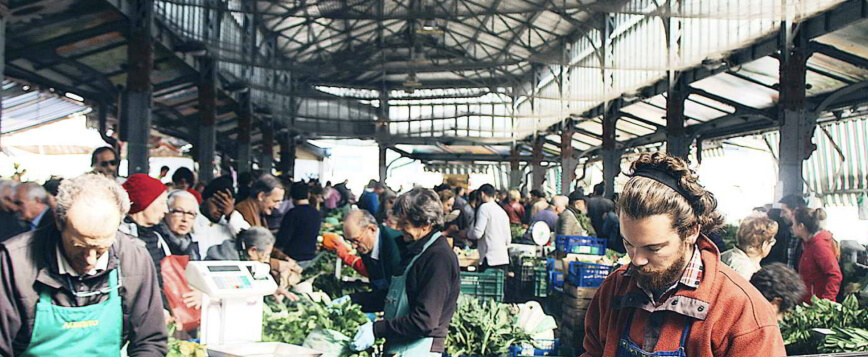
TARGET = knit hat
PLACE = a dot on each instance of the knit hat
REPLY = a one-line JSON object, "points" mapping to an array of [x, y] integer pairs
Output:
{"points": [[143, 190]]}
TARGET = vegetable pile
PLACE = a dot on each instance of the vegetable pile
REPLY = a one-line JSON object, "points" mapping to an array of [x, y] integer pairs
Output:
{"points": [[846, 321], [484, 329], [293, 322], [181, 348]]}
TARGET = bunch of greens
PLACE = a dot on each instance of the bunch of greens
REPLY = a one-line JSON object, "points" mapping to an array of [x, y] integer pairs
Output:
{"points": [[181, 348], [850, 339], [484, 329], [797, 326], [292, 322]]}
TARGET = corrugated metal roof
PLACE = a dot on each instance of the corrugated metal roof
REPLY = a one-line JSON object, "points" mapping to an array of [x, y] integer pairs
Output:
{"points": [[838, 170], [24, 109]]}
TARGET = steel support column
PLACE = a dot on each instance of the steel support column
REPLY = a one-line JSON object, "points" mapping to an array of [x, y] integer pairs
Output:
{"points": [[267, 147], [797, 125], [287, 143], [245, 123], [514, 168], [611, 153], [539, 172], [382, 133], [207, 118], [4, 14], [136, 108], [568, 162], [677, 140]]}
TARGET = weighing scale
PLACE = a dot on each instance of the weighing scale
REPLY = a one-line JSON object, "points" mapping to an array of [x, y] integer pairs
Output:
{"points": [[232, 303]]}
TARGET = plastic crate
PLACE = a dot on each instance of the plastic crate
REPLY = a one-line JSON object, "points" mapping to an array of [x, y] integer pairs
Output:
{"points": [[540, 348], [483, 285], [587, 275], [556, 280], [580, 245]]}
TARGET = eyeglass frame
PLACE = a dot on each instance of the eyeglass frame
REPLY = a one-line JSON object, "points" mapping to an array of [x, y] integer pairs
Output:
{"points": [[102, 291], [191, 215]]}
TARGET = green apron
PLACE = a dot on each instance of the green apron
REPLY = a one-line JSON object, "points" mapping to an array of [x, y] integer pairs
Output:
{"points": [[93, 330], [397, 305]]}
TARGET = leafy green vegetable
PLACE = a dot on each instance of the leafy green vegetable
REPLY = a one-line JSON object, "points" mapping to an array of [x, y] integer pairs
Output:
{"points": [[294, 321], [484, 329], [797, 326], [181, 348], [846, 340]]}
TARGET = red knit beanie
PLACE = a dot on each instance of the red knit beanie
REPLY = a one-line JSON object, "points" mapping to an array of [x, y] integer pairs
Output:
{"points": [[143, 190], [195, 194]]}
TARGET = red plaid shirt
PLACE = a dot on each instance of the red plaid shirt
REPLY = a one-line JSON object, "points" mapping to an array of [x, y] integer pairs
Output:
{"points": [[691, 277]]}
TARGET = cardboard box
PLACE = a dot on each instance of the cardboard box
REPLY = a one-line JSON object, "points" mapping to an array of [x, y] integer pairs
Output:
{"points": [[471, 258]]}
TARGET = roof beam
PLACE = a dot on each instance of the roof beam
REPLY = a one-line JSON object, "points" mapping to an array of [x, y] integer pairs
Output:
{"points": [[840, 55]]}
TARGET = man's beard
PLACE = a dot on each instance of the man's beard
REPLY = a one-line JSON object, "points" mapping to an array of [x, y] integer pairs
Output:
{"points": [[657, 280]]}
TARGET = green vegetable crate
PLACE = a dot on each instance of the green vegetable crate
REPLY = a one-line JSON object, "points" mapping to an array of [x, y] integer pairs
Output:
{"points": [[483, 285]]}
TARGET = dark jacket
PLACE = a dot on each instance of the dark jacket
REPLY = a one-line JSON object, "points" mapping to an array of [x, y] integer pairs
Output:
{"points": [[10, 225], [298, 232], [433, 285], [389, 261], [29, 260], [228, 250], [369, 201], [149, 238]]}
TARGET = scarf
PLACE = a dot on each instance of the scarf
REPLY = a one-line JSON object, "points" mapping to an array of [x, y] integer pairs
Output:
{"points": [[250, 211], [178, 245]]}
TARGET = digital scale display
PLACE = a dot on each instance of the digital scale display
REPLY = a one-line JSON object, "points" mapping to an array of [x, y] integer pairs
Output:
{"points": [[223, 268]]}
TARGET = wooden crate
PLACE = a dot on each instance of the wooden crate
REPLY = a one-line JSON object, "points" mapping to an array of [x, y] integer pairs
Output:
{"points": [[575, 292]]}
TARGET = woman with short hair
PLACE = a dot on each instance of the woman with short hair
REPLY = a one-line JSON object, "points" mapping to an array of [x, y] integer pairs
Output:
{"points": [[756, 237]]}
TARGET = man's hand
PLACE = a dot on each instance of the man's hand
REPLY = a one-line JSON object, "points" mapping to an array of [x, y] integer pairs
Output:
{"points": [[193, 299], [281, 293], [226, 202]]}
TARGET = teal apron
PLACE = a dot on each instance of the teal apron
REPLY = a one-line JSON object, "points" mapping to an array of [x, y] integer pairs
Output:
{"points": [[398, 305], [93, 330]]}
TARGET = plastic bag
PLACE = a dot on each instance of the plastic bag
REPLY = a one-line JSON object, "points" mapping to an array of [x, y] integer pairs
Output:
{"points": [[175, 286], [331, 343]]}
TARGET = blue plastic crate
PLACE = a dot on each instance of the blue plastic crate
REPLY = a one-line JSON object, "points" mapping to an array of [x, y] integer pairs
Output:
{"points": [[556, 280], [540, 348], [580, 245], [587, 275]]}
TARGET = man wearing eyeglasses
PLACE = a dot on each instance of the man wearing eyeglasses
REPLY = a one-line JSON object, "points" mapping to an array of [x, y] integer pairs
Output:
{"points": [[105, 161], [79, 287]]}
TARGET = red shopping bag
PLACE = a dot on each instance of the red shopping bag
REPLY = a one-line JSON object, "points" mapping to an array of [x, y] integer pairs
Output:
{"points": [[175, 286]]}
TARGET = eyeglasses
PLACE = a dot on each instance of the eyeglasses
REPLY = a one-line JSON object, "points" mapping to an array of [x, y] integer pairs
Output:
{"points": [[105, 290], [180, 213], [109, 163]]}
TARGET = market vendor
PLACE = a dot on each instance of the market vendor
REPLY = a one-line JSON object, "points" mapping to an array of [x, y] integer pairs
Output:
{"points": [[675, 298], [378, 247], [420, 302], [80, 287]]}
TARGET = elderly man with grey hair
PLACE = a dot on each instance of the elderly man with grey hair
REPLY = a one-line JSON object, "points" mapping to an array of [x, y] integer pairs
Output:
{"points": [[423, 295], [60, 287], [379, 248], [10, 225], [32, 202]]}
